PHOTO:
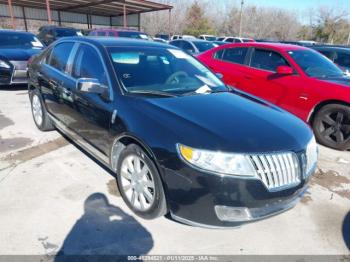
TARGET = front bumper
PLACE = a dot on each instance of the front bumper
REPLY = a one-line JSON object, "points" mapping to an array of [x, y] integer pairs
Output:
{"points": [[17, 74], [210, 200]]}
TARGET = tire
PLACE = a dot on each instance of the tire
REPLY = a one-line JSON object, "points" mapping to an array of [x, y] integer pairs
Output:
{"points": [[142, 191], [332, 126], [40, 116]]}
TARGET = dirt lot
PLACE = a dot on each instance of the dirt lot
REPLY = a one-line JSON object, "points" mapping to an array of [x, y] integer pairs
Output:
{"points": [[54, 198]]}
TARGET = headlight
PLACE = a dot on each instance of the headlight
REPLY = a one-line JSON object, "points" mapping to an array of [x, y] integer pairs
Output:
{"points": [[311, 156], [3, 64], [218, 162]]}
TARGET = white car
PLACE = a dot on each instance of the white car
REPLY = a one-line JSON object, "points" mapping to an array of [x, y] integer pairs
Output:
{"points": [[177, 37], [207, 37], [232, 39]]}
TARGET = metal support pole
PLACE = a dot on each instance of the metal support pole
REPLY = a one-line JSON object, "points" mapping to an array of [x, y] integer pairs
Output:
{"points": [[139, 17], [49, 18], [110, 22], [11, 14], [25, 18], [59, 18], [241, 19], [125, 18], [169, 23]]}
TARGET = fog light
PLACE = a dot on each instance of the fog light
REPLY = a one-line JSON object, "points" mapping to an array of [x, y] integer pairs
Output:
{"points": [[233, 214]]}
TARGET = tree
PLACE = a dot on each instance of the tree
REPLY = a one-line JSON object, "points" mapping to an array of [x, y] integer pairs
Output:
{"points": [[196, 22]]}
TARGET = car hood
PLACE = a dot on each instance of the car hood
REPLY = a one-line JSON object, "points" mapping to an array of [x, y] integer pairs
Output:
{"points": [[18, 54], [227, 122]]}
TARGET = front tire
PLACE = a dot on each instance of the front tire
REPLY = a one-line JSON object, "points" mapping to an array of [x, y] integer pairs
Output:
{"points": [[332, 126], [140, 184], [40, 116]]}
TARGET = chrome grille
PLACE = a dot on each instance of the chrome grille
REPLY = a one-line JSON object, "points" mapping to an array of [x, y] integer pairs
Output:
{"points": [[277, 171]]}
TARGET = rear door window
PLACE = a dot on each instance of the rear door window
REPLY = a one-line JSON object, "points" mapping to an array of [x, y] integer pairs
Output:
{"points": [[101, 33], [60, 55], [267, 60], [234, 55]]}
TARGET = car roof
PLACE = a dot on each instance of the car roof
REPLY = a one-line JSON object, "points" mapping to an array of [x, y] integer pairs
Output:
{"points": [[116, 30], [276, 46], [117, 41], [334, 48], [4, 31]]}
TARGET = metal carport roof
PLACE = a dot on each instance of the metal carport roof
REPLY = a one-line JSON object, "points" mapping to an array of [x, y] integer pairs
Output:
{"points": [[99, 7]]}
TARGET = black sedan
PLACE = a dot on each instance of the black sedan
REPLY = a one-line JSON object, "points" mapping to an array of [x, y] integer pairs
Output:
{"points": [[16, 48], [178, 140]]}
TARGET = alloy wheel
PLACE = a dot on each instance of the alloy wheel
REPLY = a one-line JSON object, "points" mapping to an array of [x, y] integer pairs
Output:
{"points": [[335, 126], [37, 110], [137, 183]]}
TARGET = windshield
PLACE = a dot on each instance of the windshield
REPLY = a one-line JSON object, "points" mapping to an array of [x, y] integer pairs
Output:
{"points": [[203, 46], [168, 71], [314, 64], [22, 41], [65, 32]]}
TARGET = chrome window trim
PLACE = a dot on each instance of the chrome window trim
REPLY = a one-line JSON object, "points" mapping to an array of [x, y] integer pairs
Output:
{"points": [[73, 55]]}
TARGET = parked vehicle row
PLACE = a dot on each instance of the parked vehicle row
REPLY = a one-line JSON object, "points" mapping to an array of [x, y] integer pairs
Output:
{"points": [[177, 138], [298, 79], [16, 48]]}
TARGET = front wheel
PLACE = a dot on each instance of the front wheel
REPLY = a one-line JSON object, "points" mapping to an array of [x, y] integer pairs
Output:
{"points": [[332, 126], [140, 184]]}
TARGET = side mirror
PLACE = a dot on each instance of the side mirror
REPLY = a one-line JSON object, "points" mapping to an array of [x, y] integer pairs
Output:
{"points": [[285, 70], [89, 85]]}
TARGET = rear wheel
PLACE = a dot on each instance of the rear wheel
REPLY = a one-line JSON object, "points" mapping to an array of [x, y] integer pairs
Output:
{"points": [[332, 126], [40, 115], [140, 184]]}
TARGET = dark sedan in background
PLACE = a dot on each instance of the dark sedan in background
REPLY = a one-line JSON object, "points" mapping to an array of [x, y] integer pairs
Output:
{"points": [[16, 48], [178, 139], [50, 33], [339, 55], [193, 46]]}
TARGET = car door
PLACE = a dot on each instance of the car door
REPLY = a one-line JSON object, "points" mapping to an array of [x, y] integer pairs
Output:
{"points": [[231, 63], [92, 114], [263, 81], [53, 79]]}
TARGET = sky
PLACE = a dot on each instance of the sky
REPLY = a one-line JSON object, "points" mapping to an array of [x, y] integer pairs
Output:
{"points": [[299, 6]]}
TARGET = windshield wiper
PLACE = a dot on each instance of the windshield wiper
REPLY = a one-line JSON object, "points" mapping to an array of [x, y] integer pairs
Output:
{"points": [[153, 92]]}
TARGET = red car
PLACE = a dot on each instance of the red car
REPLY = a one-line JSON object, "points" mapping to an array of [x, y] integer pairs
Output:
{"points": [[296, 78]]}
